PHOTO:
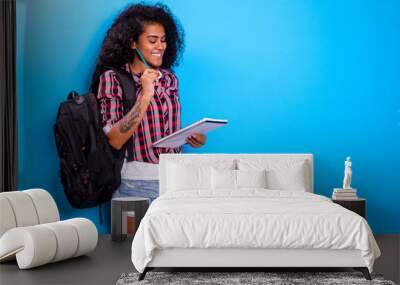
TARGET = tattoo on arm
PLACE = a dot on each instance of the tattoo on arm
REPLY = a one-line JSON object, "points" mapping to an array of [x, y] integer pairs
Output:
{"points": [[131, 119]]}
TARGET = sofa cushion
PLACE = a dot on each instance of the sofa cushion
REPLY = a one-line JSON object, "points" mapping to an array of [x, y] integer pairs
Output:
{"points": [[7, 218], [26, 208]]}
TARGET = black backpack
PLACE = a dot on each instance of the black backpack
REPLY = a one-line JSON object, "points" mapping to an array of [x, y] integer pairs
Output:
{"points": [[90, 168]]}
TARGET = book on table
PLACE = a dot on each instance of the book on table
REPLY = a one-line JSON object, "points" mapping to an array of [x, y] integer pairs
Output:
{"points": [[344, 198], [179, 137], [344, 194], [341, 190]]}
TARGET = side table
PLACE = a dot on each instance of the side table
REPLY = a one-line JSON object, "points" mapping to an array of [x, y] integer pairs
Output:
{"points": [[119, 205], [358, 205]]}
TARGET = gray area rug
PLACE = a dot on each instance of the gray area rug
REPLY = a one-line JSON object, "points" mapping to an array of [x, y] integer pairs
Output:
{"points": [[233, 278]]}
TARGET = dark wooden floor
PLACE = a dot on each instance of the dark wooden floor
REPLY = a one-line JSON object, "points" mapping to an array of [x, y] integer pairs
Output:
{"points": [[103, 266], [389, 262], [110, 260]]}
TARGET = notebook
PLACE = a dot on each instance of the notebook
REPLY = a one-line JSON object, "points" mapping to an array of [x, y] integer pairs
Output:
{"points": [[179, 138]]}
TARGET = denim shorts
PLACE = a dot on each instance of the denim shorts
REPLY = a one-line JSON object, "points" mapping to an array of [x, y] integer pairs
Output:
{"points": [[138, 188]]}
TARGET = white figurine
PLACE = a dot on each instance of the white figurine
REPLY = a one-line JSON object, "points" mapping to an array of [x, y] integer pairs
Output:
{"points": [[347, 173]]}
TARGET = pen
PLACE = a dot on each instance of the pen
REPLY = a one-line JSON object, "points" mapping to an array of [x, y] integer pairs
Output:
{"points": [[142, 58], [145, 62]]}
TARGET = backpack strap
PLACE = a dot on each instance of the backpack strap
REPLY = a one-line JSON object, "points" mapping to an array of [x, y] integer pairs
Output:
{"points": [[129, 99]]}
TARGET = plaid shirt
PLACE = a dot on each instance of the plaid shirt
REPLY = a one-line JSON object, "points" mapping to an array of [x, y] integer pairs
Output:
{"points": [[161, 118]]}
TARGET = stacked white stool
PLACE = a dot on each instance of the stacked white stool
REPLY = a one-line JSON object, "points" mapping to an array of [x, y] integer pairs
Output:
{"points": [[31, 230]]}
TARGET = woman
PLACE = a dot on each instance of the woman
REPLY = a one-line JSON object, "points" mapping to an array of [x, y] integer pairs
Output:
{"points": [[147, 42]]}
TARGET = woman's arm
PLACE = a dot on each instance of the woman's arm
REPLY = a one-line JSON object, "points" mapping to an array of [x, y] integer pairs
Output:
{"points": [[126, 127]]}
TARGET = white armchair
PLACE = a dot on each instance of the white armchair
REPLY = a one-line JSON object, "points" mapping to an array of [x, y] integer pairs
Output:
{"points": [[31, 230]]}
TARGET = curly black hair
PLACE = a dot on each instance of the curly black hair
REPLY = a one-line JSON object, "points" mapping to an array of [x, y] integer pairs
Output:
{"points": [[116, 48]]}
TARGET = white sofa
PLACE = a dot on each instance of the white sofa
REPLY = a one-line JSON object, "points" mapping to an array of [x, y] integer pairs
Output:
{"points": [[31, 231]]}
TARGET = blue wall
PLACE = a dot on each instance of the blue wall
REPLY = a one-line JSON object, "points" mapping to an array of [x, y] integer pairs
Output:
{"points": [[317, 77]]}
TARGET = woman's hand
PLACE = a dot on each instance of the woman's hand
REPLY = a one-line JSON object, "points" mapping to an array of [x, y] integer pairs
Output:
{"points": [[149, 79], [196, 140]]}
